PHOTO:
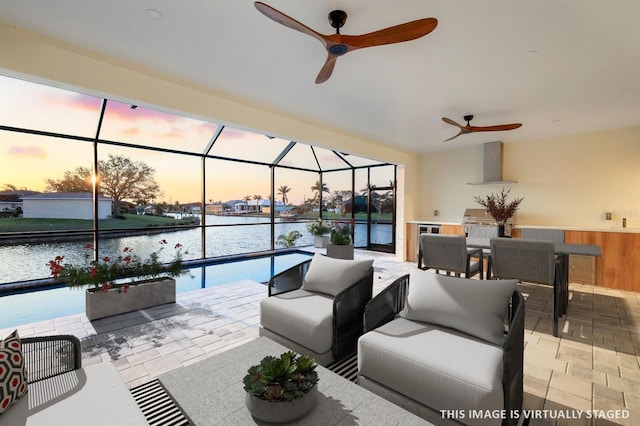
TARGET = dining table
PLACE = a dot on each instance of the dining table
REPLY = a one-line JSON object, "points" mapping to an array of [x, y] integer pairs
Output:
{"points": [[562, 252]]}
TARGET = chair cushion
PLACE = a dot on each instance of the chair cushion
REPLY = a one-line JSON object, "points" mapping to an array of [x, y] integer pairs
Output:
{"points": [[301, 316], [476, 307], [13, 379], [95, 395], [331, 276], [436, 366]]}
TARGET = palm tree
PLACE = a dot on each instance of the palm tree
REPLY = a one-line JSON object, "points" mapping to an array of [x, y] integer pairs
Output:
{"points": [[257, 197], [247, 198], [316, 189], [283, 190]]}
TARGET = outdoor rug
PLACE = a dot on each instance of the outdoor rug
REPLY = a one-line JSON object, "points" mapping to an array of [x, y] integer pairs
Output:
{"points": [[157, 406]]}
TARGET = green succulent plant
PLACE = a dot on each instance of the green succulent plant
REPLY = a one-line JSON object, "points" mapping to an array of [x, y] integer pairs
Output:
{"points": [[282, 378]]}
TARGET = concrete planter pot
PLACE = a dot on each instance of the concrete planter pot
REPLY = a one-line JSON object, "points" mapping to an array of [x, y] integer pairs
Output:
{"points": [[340, 251], [281, 411], [320, 241], [140, 295]]}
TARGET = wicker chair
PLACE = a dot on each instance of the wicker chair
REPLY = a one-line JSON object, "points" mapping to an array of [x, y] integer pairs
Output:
{"points": [[530, 261], [301, 319], [387, 310], [61, 391], [449, 253], [49, 356]]}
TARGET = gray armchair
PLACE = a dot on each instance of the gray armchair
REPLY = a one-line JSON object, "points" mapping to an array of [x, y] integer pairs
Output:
{"points": [[435, 349], [449, 253], [316, 308]]}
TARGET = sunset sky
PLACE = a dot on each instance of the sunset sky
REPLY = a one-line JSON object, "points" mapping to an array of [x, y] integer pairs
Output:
{"points": [[27, 160]]}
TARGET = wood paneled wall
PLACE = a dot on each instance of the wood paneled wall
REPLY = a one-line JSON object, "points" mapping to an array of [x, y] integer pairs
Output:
{"points": [[619, 266]]}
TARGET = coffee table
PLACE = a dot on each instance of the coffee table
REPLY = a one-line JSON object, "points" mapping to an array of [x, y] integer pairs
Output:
{"points": [[210, 392]]}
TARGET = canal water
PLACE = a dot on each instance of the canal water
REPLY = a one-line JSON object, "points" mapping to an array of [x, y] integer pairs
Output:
{"points": [[237, 235]]}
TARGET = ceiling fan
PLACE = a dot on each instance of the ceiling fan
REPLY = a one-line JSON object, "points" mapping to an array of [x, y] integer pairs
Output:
{"points": [[472, 129], [338, 44]]}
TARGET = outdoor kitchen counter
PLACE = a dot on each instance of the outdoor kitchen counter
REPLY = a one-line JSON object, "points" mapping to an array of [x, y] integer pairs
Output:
{"points": [[613, 228], [618, 267]]}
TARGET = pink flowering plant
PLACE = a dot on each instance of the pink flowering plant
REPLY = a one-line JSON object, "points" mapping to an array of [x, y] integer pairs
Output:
{"points": [[103, 273]]}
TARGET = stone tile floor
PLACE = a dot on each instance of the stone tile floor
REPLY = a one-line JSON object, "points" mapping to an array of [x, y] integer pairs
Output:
{"points": [[594, 366]]}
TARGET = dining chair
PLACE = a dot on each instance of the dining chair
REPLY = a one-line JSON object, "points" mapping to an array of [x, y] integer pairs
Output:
{"points": [[449, 253], [531, 261]]}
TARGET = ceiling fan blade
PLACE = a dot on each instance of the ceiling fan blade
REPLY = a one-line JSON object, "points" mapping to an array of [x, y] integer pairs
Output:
{"points": [[327, 69], [453, 123], [461, 132], [396, 34], [495, 128], [288, 21]]}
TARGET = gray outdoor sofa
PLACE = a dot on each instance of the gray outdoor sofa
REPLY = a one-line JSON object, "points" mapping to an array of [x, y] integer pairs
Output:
{"points": [[316, 308], [61, 392], [436, 343]]}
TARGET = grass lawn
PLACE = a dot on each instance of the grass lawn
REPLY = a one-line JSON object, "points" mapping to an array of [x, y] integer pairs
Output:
{"points": [[20, 224]]}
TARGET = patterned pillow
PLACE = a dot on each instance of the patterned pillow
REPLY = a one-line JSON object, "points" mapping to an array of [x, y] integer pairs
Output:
{"points": [[13, 379]]}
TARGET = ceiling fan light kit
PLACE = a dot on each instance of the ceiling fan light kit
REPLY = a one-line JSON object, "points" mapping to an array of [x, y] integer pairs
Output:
{"points": [[338, 44]]}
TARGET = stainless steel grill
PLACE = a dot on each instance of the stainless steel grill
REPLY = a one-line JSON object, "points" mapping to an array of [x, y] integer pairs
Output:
{"points": [[478, 223]]}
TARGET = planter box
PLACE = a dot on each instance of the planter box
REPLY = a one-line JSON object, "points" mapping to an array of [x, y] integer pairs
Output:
{"points": [[141, 295], [340, 252], [320, 241]]}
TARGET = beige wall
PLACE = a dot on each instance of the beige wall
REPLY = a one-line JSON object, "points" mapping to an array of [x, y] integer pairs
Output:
{"points": [[567, 181], [24, 54]]}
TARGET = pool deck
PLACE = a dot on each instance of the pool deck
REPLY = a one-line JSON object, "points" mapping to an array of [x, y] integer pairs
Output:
{"points": [[593, 365]]}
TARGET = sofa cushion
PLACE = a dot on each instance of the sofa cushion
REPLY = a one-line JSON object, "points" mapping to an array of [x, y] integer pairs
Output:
{"points": [[13, 379], [331, 276], [301, 316], [95, 395], [476, 307], [439, 367]]}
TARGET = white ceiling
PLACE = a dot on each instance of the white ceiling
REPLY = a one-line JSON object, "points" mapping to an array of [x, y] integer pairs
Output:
{"points": [[585, 75]]}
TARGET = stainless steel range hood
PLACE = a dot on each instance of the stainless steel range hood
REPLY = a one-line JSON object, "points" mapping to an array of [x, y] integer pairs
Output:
{"points": [[492, 165]]}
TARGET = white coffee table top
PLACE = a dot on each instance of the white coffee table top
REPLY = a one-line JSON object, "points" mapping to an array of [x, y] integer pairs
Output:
{"points": [[211, 393]]}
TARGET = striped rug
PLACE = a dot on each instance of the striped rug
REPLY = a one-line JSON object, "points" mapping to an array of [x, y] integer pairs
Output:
{"points": [[347, 367], [160, 410], [157, 406]]}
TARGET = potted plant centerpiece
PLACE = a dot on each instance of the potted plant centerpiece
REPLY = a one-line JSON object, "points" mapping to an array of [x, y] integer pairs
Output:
{"points": [[319, 228], [281, 389], [341, 242], [122, 284], [499, 208]]}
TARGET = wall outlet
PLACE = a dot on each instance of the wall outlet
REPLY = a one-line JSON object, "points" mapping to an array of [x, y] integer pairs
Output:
{"points": [[436, 212]]}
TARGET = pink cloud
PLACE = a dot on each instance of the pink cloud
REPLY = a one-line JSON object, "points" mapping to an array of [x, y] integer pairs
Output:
{"points": [[231, 133], [118, 110], [132, 131], [208, 128], [73, 100], [173, 134], [27, 151]]}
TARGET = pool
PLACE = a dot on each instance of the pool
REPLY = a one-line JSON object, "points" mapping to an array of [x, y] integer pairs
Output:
{"points": [[40, 305]]}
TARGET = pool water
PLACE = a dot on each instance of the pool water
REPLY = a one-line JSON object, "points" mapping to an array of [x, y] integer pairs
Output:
{"points": [[40, 305]]}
